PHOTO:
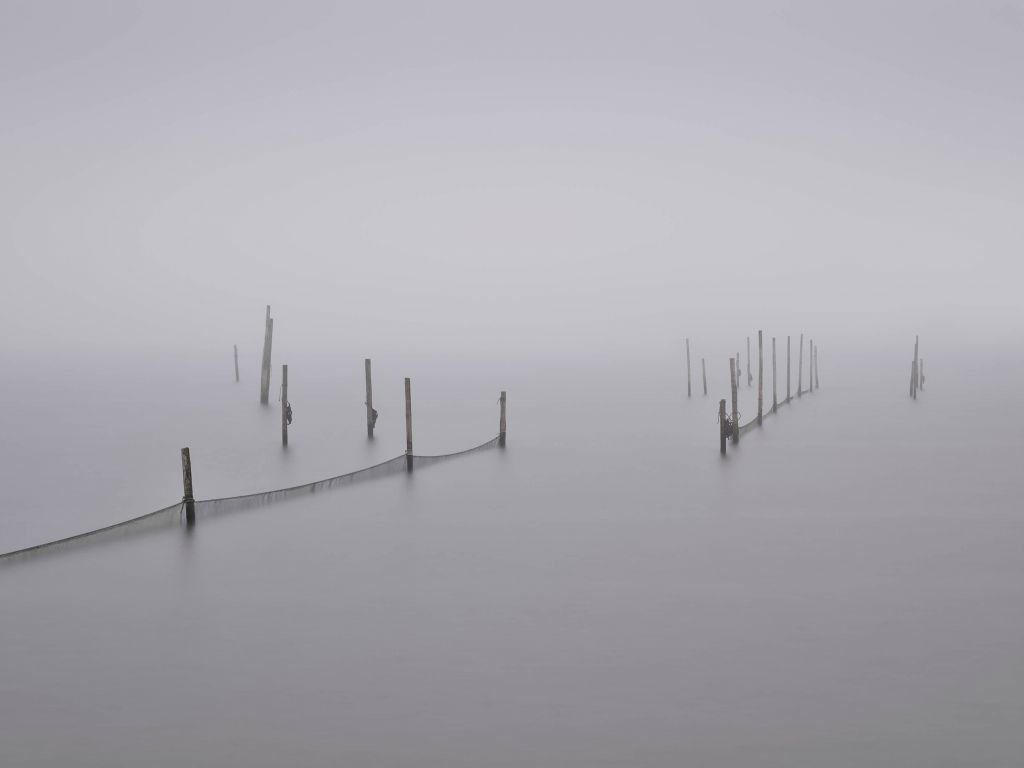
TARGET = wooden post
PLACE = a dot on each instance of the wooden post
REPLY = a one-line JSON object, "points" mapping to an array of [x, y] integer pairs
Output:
{"points": [[916, 369], [688, 391], [800, 369], [236, 363], [920, 374], [817, 380], [735, 402], [750, 374], [186, 477], [408, 424], [739, 371], [789, 367], [370, 420], [721, 426], [911, 378], [704, 374], [760, 378], [810, 365], [775, 377], [501, 421], [284, 405], [268, 341]]}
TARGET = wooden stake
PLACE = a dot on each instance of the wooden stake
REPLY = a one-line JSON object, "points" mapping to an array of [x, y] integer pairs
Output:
{"points": [[760, 378], [912, 372], [810, 365], [920, 374], [408, 424], [501, 421], [236, 363], [721, 426], [687, 367], [775, 376], [268, 341], [284, 405], [789, 367], [735, 402], [750, 375], [800, 369], [371, 415], [916, 368], [186, 479], [704, 374]]}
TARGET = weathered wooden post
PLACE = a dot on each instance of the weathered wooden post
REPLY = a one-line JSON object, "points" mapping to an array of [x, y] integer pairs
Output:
{"points": [[721, 426], [800, 369], [911, 378], [236, 363], [285, 408], [186, 477], [739, 371], [735, 402], [750, 373], [789, 367], [810, 365], [501, 421], [920, 374], [371, 419], [817, 379], [760, 378], [408, 425], [775, 376], [916, 374], [688, 368], [268, 341], [704, 375]]}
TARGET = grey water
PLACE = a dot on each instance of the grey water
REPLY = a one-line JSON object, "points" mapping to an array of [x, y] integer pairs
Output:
{"points": [[842, 589]]}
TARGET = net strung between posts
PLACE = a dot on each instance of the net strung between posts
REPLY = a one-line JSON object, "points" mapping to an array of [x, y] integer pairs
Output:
{"points": [[174, 515]]}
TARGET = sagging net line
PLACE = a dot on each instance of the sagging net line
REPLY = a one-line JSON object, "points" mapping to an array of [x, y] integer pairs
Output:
{"points": [[174, 515], [752, 424]]}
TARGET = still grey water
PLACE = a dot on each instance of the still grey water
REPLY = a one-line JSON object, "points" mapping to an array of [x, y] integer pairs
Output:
{"points": [[844, 589]]}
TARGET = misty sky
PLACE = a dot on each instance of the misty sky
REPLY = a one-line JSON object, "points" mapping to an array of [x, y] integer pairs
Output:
{"points": [[524, 175]]}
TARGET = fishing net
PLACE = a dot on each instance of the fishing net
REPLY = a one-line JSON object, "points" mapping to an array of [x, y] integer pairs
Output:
{"points": [[175, 514]]}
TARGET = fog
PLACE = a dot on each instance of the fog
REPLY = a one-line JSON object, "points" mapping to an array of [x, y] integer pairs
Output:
{"points": [[543, 199], [458, 177]]}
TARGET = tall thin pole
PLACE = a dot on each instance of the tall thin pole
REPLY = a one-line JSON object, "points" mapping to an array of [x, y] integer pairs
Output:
{"points": [[721, 426], [186, 479], [501, 421], [687, 367], [284, 405], [775, 377], [236, 363], [789, 367], [800, 369], [371, 418], [704, 375], [268, 337], [408, 424], [916, 375], [750, 374], [760, 377], [810, 365], [735, 402]]}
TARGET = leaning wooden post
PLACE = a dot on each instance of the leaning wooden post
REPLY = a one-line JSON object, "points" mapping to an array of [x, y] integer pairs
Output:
{"points": [[721, 426], [284, 405], [370, 421], [789, 367], [268, 336], [236, 363], [501, 421], [704, 375], [186, 477], [688, 391], [775, 376], [760, 378], [735, 402], [408, 424], [750, 374], [800, 369]]}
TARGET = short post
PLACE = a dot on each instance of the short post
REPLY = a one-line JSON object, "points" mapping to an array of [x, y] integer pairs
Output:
{"points": [[750, 374], [800, 369], [186, 477], [775, 376], [704, 374], [688, 391], [236, 363], [735, 402], [408, 424], [789, 367], [371, 415], [721, 426], [284, 405], [501, 421], [264, 379], [760, 378]]}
